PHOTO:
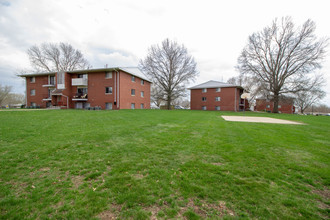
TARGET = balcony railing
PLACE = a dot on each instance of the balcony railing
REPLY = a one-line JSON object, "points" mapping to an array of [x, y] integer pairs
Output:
{"points": [[79, 82], [80, 97]]}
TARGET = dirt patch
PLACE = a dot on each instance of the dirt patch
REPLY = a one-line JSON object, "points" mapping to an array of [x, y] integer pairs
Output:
{"points": [[259, 120], [138, 176], [77, 181], [217, 164], [112, 213], [325, 194], [44, 169]]}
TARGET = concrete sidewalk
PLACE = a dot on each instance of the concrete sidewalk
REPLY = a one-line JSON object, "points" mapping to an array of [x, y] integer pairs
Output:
{"points": [[259, 120]]}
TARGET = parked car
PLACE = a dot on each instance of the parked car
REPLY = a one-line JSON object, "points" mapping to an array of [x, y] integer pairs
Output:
{"points": [[178, 107]]}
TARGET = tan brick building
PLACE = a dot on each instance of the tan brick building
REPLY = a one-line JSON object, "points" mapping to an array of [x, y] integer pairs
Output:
{"points": [[216, 96], [106, 88]]}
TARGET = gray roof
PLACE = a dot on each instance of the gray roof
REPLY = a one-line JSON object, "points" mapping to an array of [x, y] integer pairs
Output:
{"points": [[130, 70], [213, 84]]}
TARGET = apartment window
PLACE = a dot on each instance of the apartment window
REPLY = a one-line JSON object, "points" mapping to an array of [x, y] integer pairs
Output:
{"points": [[51, 80], [203, 107], [217, 108], [82, 91], [32, 92], [204, 90], [133, 78], [32, 79], [142, 94], [218, 89], [108, 106], [132, 105], [203, 99], [142, 82], [108, 90], [60, 80], [217, 99], [132, 91], [33, 104], [279, 106], [82, 76], [142, 106], [268, 106], [108, 75]]}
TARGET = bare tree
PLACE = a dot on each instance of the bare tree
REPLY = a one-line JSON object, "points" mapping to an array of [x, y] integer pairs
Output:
{"points": [[157, 96], [50, 57], [170, 67], [305, 99], [4, 93], [282, 57]]}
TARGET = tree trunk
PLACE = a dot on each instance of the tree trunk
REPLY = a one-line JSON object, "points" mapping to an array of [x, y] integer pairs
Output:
{"points": [[276, 99], [169, 103]]}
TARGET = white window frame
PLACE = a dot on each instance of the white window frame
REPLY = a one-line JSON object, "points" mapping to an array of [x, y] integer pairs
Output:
{"points": [[204, 108], [218, 99], [133, 78], [218, 89], [32, 79], [204, 99], [132, 105], [142, 82], [108, 75], [142, 106], [279, 106], [109, 88], [267, 106], [204, 90], [32, 92], [132, 92], [217, 108], [142, 94]]}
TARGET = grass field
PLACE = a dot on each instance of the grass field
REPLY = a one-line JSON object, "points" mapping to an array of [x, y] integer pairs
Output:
{"points": [[67, 164]]}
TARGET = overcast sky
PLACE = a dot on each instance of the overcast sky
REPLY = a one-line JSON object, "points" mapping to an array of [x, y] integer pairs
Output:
{"points": [[119, 32]]}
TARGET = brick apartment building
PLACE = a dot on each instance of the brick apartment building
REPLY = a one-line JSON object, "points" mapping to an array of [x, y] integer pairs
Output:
{"points": [[108, 88], [216, 96], [285, 105]]}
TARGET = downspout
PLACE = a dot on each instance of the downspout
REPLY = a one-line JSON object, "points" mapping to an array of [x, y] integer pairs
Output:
{"points": [[26, 104], [235, 98], [117, 93]]}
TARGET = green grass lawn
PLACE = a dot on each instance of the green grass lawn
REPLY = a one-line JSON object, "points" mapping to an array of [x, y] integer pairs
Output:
{"points": [[70, 164]]}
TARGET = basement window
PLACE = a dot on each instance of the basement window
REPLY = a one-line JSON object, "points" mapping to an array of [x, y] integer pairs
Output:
{"points": [[217, 108], [132, 105], [142, 106], [203, 107], [108, 106]]}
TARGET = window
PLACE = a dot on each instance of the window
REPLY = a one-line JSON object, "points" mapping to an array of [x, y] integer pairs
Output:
{"points": [[142, 94], [142, 106], [108, 75], [217, 108], [142, 82], [51, 80], [279, 106], [218, 89], [204, 90], [217, 99], [108, 90], [82, 91], [32, 92], [50, 93], [268, 106], [84, 76], [32, 79], [203, 107], [132, 91], [108, 106], [133, 106], [133, 78], [60, 80], [203, 99], [33, 104]]}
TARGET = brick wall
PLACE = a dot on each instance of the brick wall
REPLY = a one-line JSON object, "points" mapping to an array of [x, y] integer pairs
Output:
{"points": [[40, 91], [264, 105], [226, 103]]}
